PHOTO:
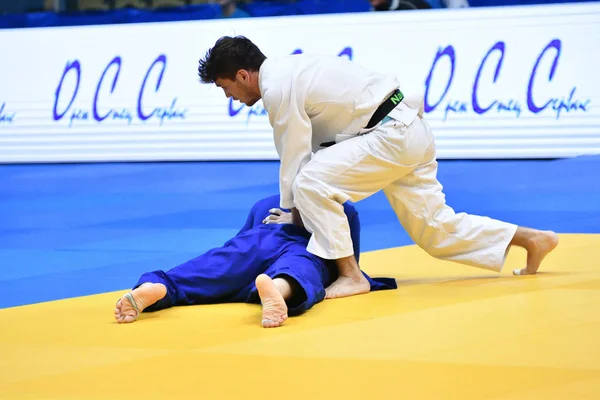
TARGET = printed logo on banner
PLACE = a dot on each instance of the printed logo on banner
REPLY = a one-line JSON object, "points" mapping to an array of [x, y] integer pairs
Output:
{"points": [[6, 117], [566, 103], [141, 112], [258, 109]]}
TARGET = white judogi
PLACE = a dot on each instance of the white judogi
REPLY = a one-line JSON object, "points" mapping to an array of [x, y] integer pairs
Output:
{"points": [[315, 99]]}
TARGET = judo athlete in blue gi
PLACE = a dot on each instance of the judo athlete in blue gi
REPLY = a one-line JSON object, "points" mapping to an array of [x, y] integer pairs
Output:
{"points": [[265, 263]]}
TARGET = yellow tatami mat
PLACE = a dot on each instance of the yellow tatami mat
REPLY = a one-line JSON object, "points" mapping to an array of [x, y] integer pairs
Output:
{"points": [[448, 332]]}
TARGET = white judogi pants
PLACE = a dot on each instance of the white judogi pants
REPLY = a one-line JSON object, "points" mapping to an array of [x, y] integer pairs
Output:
{"points": [[401, 160]]}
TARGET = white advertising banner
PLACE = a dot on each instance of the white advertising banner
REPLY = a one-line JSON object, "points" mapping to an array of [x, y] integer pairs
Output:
{"points": [[511, 82]]}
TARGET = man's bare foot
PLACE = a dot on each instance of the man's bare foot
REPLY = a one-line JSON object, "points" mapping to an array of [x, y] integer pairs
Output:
{"points": [[346, 286], [538, 245], [274, 307], [144, 296]]}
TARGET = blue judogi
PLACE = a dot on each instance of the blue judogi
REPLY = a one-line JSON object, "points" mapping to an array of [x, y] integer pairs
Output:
{"points": [[226, 274]]}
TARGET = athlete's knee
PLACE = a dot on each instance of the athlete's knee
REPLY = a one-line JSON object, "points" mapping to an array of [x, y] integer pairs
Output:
{"points": [[435, 241], [304, 186], [433, 250]]}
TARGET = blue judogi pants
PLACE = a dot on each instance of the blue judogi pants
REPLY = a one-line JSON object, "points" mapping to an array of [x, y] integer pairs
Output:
{"points": [[226, 274]]}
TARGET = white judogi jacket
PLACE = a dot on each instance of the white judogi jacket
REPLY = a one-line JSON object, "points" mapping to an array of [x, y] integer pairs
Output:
{"points": [[315, 99]]}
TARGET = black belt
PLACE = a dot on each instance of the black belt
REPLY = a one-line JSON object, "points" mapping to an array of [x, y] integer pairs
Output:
{"points": [[382, 111]]}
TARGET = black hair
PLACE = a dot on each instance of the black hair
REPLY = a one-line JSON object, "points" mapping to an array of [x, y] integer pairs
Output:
{"points": [[227, 57]]}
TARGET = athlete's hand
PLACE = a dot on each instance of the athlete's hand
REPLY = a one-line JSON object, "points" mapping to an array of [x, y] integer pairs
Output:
{"points": [[296, 218], [278, 216]]}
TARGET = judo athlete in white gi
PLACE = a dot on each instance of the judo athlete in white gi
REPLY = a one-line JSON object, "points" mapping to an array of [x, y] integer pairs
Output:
{"points": [[343, 133], [266, 262]]}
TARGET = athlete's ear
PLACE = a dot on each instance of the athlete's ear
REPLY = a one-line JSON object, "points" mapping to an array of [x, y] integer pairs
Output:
{"points": [[243, 76]]}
